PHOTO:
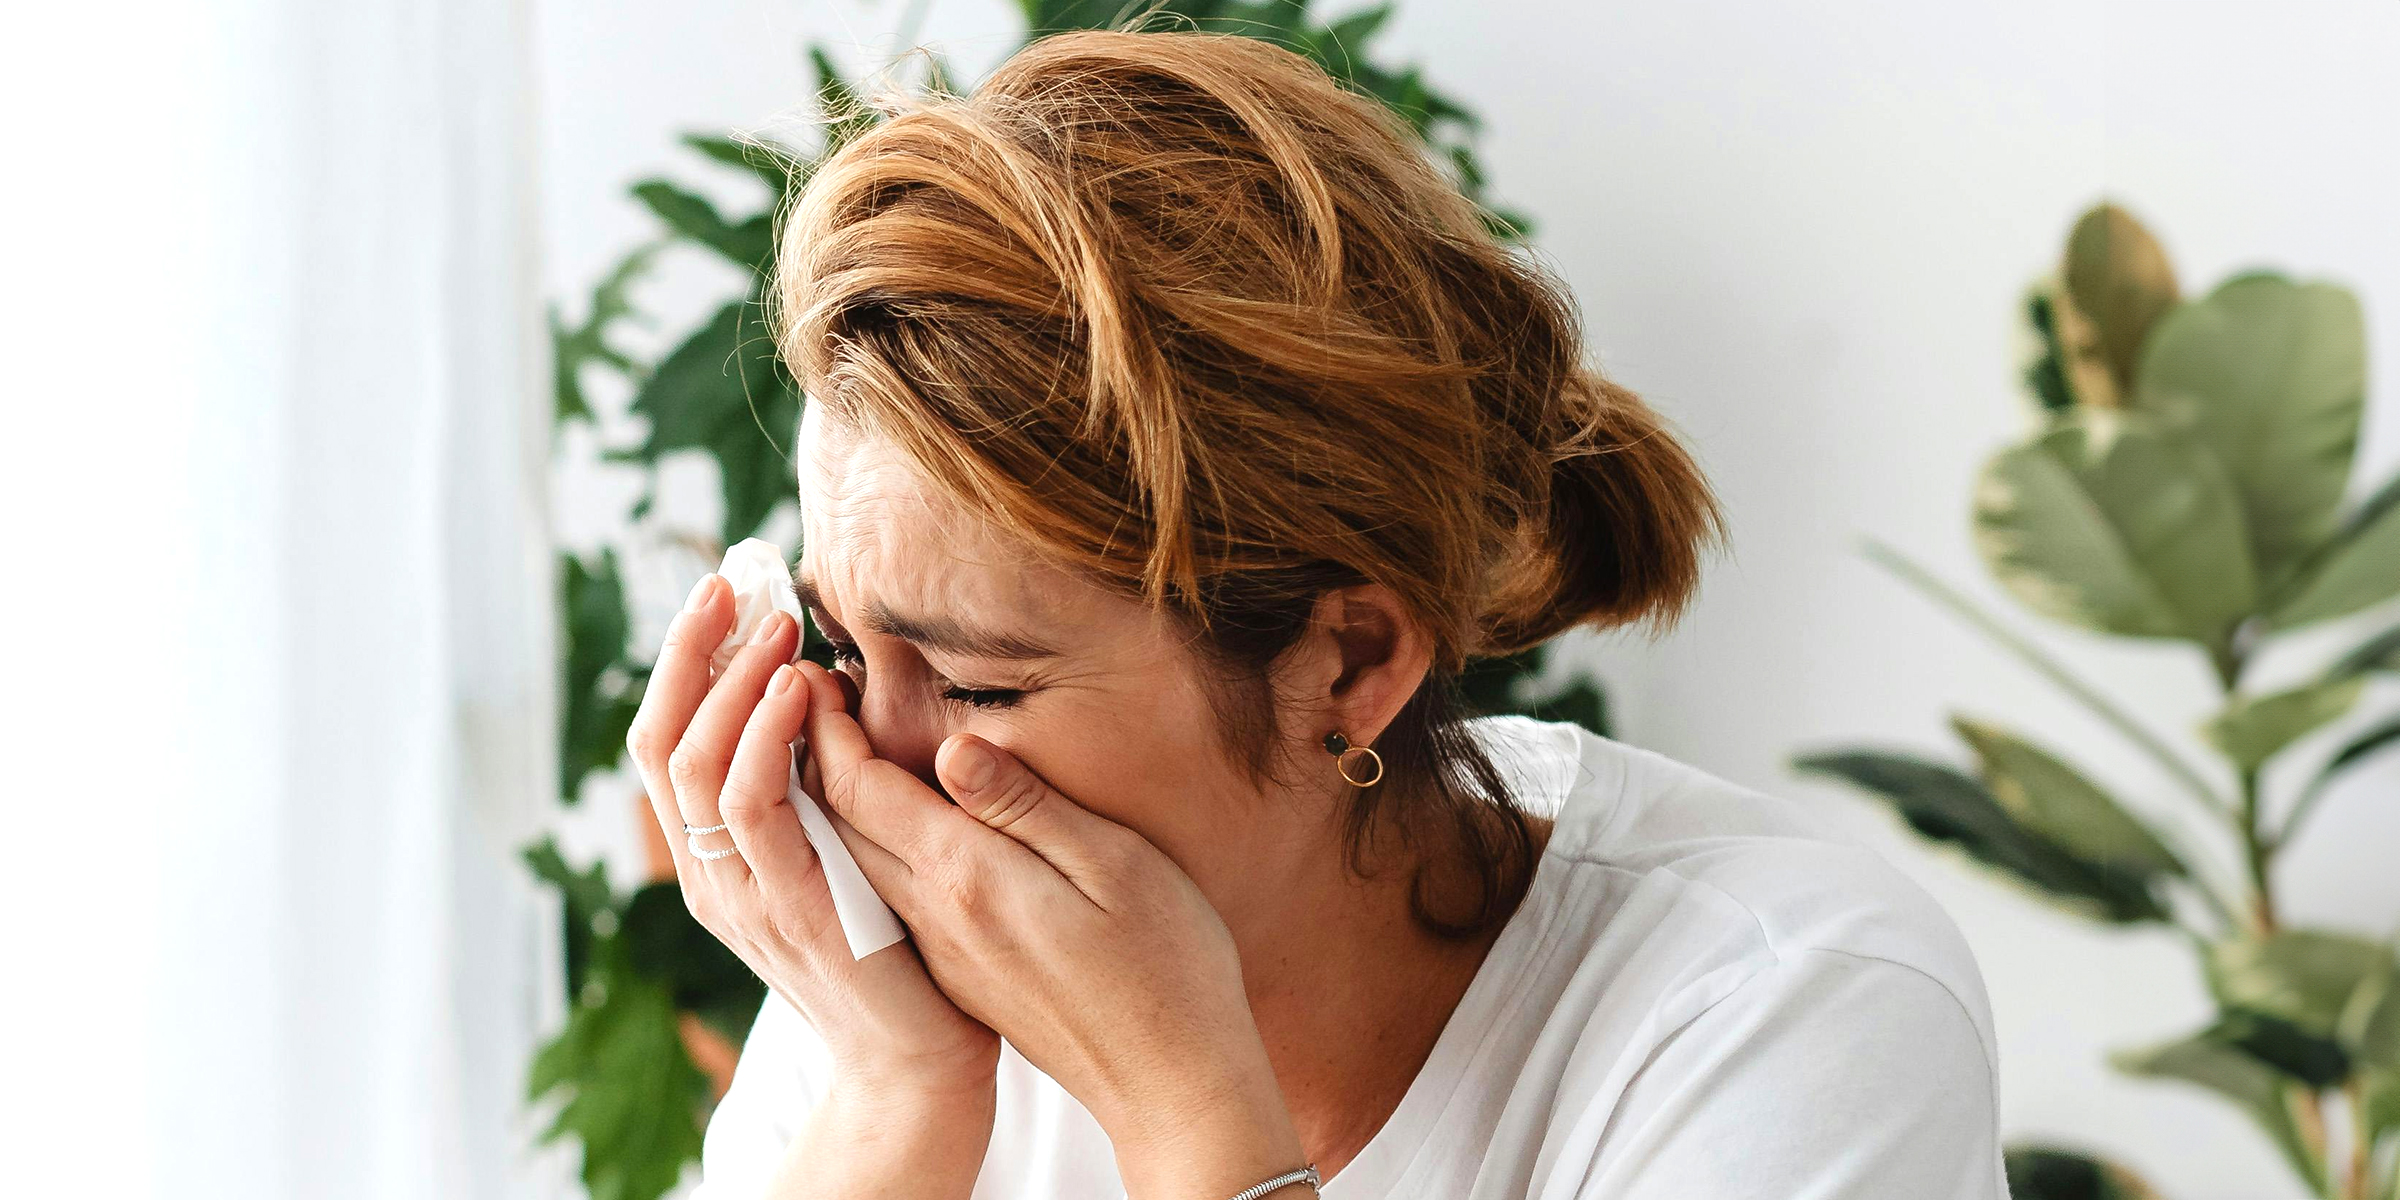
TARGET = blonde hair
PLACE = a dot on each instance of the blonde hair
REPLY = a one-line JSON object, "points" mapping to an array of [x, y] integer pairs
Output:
{"points": [[1182, 312]]}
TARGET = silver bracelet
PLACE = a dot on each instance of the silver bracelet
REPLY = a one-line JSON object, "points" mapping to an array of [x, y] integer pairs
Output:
{"points": [[1307, 1175]]}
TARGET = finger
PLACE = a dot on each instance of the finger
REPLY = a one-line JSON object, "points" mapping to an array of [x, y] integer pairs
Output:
{"points": [[756, 803], [893, 808], [999, 790], [700, 763], [678, 680], [889, 876]]}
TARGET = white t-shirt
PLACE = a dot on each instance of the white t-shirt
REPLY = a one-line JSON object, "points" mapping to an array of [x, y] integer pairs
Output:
{"points": [[1702, 996]]}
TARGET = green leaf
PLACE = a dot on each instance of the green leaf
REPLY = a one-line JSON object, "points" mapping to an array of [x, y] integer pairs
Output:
{"points": [[633, 1097], [2312, 1059], [2250, 1084], [2358, 568], [750, 243], [667, 947], [2052, 1173], [574, 348], [2055, 801], [1511, 684], [782, 170], [2366, 745], [2119, 279], [838, 104], [2253, 729], [588, 904], [2270, 375], [722, 391], [1948, 805], [2378, 653], [2108, 522], [2303, 976], [2045, 373], [2370, 1019], [597, 703]]}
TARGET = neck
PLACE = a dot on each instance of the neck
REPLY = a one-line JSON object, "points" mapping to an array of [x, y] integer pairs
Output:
{"points": [[1351, 997]]}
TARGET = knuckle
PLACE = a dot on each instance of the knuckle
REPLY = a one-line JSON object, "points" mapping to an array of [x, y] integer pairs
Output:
{"points": [[678, 641], [688, 767], [1021, 795], [744, 801], [645, 744]]}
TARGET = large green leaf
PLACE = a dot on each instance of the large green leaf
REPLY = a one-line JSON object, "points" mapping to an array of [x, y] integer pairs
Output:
{"points": [[2303, 976], [598, 692], [666, 946], [2358, 568], [1949, 805], [2253, 729], [633, 1097], [2370, 1020], [748, 243], [724, 392], [2055, 801], [2051, 1173], [2254, 1087], [2119, 279], [2271, 375], [2108, 522]]}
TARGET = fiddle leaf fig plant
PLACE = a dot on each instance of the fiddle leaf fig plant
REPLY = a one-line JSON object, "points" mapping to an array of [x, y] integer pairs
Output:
{"points": [[2186, 483], [650, 992]]}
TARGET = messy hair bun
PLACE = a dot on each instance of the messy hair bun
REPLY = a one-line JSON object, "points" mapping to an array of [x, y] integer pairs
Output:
{"points": [[1182, 312]]}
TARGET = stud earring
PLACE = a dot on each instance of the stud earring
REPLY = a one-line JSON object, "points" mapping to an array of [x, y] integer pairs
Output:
{"points": [[1342, 751]]}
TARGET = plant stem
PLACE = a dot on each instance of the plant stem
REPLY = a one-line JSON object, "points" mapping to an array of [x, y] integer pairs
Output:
{"points": [[1924, 581], [2362, 1141], [2257, 854]]}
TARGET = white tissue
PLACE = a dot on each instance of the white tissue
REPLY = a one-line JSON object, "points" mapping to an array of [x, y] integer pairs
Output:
{"points": [[762, 583]]}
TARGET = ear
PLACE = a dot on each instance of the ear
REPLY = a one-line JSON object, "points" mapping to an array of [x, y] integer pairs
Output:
{"points": [[1363, 656]]}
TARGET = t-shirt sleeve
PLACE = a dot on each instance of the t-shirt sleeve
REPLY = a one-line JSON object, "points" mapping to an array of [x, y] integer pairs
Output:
{"points": [[776, 1084], [1826, 1076]]}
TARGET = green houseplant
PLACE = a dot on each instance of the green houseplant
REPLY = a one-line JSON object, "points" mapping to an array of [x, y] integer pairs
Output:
{"points": [[2185, 483], [640, 973]]}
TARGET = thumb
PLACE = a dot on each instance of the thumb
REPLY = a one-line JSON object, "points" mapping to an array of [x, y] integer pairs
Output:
{"points": [[1003, 793]]}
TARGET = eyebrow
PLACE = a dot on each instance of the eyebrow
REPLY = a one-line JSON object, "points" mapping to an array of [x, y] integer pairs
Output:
{"points": [[935, 633]]}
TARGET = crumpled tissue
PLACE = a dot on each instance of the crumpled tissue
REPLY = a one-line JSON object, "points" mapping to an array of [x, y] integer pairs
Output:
{"points": [[762, 584]]}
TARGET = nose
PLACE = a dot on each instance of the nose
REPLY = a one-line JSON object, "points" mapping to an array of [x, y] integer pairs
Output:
{"points": [[902, 729]]}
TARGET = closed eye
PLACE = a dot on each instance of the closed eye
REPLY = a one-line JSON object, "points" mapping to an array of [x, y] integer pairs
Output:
{"points": [[845, 654]]}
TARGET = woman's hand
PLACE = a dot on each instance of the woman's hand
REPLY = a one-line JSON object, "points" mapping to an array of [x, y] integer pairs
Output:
{"points": [[1073, 936], [721, 754]]}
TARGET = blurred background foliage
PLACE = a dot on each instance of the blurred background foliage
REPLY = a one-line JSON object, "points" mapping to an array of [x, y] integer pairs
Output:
{"points": [[2185, 483], [652, 996]]}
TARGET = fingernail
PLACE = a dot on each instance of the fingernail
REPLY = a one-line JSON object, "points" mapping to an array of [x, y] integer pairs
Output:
{"points": [[769, 628], [781, 682], [699, 593], [971, 766]]}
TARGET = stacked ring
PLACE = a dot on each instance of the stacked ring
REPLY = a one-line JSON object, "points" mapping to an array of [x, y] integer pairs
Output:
{"points": [[691, 839]]}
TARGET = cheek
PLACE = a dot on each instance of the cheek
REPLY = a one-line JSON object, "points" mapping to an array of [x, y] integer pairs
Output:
{"points": [[1155, 769]]}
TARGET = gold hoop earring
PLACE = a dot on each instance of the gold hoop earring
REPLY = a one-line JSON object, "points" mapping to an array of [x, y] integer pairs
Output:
{"points": [[1341, 749]]}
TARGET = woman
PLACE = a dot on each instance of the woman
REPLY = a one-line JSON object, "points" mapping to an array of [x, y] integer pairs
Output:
{"points": [[1176, 437]]}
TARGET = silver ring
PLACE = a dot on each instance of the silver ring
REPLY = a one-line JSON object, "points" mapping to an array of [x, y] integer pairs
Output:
{"points": [[710, 855], [691, 830]]}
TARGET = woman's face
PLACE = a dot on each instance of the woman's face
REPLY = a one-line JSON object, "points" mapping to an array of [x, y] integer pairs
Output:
{"points": [[948, 628]]}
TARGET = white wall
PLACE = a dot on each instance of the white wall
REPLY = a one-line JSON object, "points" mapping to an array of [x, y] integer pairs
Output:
{"points": [[1802, 230]]}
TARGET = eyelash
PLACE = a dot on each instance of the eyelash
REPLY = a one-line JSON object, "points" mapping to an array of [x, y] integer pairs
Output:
{"points": [[846, 654]]}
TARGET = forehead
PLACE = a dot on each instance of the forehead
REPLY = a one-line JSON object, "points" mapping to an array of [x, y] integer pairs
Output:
{"points": [[874, 528]]}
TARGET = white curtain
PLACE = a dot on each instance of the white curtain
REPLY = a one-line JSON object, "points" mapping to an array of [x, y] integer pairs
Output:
{"points": [[276, 450]]}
